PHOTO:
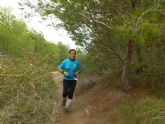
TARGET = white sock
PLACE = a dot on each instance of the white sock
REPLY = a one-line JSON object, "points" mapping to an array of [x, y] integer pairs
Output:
{"points": [[68, 103]]}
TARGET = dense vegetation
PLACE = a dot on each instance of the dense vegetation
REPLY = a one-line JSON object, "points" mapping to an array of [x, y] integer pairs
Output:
{"points": [[27, 93], [124, 37], [18, 41], [26, 88]]}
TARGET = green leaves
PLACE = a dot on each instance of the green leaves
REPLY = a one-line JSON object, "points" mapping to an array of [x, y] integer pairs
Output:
{"points": [[146, 111], [27, 92], [18, 41]]}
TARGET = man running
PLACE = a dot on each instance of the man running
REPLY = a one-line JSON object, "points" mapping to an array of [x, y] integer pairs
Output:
{"points": [[70, 69]]}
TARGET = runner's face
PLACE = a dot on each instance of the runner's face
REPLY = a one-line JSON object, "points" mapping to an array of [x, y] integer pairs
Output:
{"points": [[72, 55]]}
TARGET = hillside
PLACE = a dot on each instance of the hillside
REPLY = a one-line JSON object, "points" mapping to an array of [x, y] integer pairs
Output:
{"points": [[121, 50]]}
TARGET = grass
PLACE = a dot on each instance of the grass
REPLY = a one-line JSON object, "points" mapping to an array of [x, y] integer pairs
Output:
{"points": [[147, 108], [145, 111], [26, 93], [80, 84]]}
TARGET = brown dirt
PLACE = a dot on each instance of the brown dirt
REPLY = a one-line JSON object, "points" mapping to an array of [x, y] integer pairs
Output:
{"points": [[92, 107], [98, 105]]}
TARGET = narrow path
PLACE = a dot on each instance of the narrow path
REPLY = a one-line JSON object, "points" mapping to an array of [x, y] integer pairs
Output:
{"points": [[77, 115], [88, 108]]}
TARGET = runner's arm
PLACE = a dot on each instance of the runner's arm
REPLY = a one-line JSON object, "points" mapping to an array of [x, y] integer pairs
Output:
{"points": [[77, 72], [61, 67], [60, 70]]}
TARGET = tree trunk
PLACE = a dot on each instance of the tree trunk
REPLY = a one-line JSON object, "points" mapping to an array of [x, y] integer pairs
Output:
{"points": [[125, 75], [139, 57], [135, 3]]}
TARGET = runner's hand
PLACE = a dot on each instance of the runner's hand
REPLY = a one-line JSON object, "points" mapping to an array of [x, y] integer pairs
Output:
{"points": [[66, 74], [76, 73]]}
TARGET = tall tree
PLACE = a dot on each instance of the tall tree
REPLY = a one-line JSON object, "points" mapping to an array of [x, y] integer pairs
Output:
{"points": [[111, 27]]}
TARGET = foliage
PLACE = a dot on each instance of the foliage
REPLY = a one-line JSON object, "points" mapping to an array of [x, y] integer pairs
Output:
{"points": [[105, 27], [146, 111], [27, 92], [17, 40], [26, 88]]}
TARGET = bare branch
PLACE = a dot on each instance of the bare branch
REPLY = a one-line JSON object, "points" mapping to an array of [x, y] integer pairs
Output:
{"points": [[102, 23], [96, 21], [153, 9]]}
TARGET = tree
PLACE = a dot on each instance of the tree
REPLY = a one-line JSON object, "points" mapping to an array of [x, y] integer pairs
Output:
{"points": [[111, 27]]}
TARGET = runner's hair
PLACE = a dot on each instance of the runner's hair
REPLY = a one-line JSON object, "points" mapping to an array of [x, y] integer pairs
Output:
{"points": [[72, 50]]}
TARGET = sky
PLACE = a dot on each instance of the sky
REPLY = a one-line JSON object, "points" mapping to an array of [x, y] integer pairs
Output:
{"points": [[51, 34]]}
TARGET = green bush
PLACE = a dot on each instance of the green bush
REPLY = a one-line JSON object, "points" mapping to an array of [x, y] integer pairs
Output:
{"points": [[27, 93]]}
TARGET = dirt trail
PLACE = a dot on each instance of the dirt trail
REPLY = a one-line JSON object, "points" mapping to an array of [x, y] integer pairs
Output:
{"points": [[91, 107], [77, 115]]}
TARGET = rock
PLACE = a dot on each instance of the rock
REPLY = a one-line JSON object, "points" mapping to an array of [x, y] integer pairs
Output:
{"points": [[88, 109], [89, 83]]}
